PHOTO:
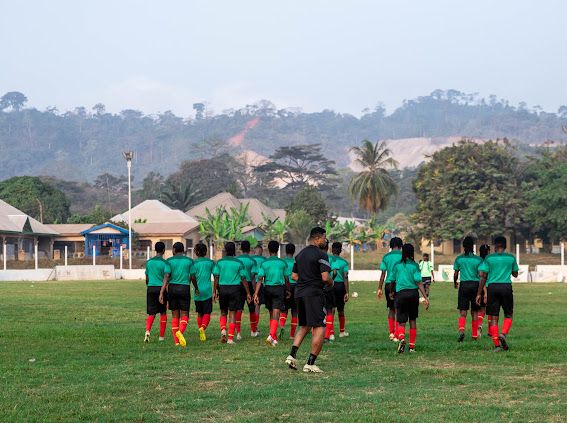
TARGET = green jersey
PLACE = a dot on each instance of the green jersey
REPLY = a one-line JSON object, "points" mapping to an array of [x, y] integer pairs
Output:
{"points": [[468, 265], [290, 261], [156, 269], [340, 265], [499, 267], [406, 275], [202, 269], [258, 260], [249, 264], [180, 269], [273, 271], [230, 271], [426, 268], [388, 263]]}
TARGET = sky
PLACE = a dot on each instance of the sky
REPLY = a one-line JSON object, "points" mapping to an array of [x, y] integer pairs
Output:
{"points": [[315, 54]]}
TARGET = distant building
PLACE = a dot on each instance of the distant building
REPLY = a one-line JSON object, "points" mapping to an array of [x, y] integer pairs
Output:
{"points": [[21, 232]]}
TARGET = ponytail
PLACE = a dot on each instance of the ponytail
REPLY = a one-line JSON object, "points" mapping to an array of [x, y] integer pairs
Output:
{"points": [[407, 253]]}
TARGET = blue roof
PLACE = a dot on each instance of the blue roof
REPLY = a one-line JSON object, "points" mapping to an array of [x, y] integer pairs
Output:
{"points": [[105, 225]]}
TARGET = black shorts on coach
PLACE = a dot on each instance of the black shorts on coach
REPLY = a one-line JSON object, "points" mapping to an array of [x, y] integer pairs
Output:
{"points": [[311, 311], [290, 302], [340, 291], [179, 297], [329, 297], [229, 297], [274, 297], [467, 296], [407, 305], [204, 307], [153, 305], [389, 302], [500, 295]]}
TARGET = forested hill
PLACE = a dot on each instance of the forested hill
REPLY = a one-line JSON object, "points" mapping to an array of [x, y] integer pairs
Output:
{"points": [[86, 142]]}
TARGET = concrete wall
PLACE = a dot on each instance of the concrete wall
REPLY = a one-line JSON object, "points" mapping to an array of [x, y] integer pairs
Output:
{"points": [[550, 273], [445, 273], [85, 273], [134, 274], [27, 275]]}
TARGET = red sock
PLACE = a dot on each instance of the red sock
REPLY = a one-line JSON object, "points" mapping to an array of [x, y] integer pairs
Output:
{"points": [[206, 320], [257, 321], [412, 335], [183, 323], [462, 323], [332, 324], [293, 326], [474, 329], [199, 321], [238, 321], [253, 326], [162, 325], [274, 329], [328, 326], [396, 326], [493, 331], [175, 328], [342, 322], [222, 323], [231, 328], [149, 323], [506, 325], [283, 318], [480, 318], [392, 325], [401, 332]]}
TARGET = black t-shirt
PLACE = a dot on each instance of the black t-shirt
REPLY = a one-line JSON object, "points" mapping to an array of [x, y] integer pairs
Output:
{"points": [[309, 264]]}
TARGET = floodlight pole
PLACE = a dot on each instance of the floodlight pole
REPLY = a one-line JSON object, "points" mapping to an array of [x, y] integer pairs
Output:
{"points": [[129, 155]]}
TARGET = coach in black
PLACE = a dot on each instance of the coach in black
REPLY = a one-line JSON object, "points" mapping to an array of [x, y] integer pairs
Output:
{"points": [[311, 271]]}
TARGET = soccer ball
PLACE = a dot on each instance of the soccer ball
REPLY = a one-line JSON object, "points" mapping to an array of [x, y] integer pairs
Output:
{"points": [[355, 295], [421, 299]]}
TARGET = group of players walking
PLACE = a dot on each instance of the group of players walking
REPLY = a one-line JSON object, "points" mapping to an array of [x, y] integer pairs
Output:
{"points": [[312, 286]]}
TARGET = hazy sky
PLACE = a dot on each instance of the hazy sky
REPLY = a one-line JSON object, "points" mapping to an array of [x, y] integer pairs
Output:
{"points": [[343, 55]]}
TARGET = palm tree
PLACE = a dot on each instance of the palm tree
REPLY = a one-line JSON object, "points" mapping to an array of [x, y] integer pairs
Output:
{"points": [[180, 196], [373, 186]]}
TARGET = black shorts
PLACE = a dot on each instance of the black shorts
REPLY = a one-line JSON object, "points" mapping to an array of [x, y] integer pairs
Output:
{"points": [[311, 311], [179, 297], [391, 304], [426, 280], [340, 292], [329, 297], [204, 307], [153, 305], [251, 305], [467, 296], [407, 305], [500, 295], [275, 297], [290, 302], [229, 297]]}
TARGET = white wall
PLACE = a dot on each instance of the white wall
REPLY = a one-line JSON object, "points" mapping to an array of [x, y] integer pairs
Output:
{"points": [[27, 275]]}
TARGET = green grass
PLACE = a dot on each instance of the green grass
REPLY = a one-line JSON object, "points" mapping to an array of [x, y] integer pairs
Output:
{"points": [[90, 364]]}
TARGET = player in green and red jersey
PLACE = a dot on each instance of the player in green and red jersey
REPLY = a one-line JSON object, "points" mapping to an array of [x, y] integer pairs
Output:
{"points": [[258, 258], [339, 273], [229, 277], [272, 275], [157, 273], [407, 283], [387, 266], [249, 265], [178, 292], [201, 275], [466, 268], [497, 271], [289, 302], [483, 251]]}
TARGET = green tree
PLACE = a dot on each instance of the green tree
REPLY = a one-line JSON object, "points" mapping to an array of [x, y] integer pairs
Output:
{"points": [[180, 195], [299, 226], [153, 187], [98, 216], [310, 200], [36, 198], [14, 100], [373, 186], [468, 188]]}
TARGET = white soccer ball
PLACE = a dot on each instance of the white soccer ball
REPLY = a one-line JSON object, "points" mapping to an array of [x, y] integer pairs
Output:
{"points": [[355, 295]]}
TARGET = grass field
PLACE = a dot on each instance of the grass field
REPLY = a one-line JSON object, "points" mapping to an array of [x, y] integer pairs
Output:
{"points": [[72, 351]]}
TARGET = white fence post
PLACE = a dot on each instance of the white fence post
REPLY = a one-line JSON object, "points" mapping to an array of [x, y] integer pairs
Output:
{"points": [[148, 253], [518, 254], [432, 254], [94, 255], [121, 256], [65, 256], [211, 251], [36, 253], [562, 254], [474, 249], [351, 257], [5, 250]]}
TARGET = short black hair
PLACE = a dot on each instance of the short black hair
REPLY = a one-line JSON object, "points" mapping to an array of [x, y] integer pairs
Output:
{"points": [[500, 241], [273, 246], [245, 246], [290, 249], [201, 250], [230, 249], [317, 232], [160, 247], [259, 247], [425, 255], [396, 242], [484, 250], [178, 247], [337, 247]]}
